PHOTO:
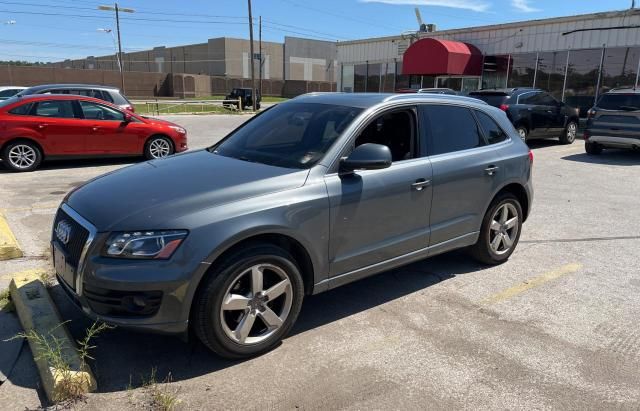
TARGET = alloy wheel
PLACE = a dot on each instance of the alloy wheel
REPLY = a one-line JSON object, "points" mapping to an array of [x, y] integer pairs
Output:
{"points": [[22, 156], [504, 228], [572, 130], [256, 304], [159, 148]]}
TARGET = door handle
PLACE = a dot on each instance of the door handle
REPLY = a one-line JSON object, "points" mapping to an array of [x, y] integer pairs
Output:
{"points": [[42, 125], [420, 184], [491, 170]]}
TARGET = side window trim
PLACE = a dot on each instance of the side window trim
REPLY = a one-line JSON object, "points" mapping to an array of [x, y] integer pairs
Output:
{"points": [[482, 131]]}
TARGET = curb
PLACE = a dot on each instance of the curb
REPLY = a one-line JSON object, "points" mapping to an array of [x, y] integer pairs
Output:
{"points": [[9, 247], [38, 314]]}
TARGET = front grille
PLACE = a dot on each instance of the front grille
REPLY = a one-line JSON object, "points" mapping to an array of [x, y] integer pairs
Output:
{"points": [[122, 303], [77, 238]]}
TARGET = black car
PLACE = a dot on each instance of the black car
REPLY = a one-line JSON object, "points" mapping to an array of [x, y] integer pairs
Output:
{"points": [[614, 122], [246, 94], [534, 112], [109, 94]]}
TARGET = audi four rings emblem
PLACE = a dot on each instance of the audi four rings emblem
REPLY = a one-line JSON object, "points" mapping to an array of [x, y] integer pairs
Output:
{"points": [[63, 232]]}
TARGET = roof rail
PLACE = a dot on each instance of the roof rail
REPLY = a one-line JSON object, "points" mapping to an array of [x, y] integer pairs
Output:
{"points": [[426, 96]]}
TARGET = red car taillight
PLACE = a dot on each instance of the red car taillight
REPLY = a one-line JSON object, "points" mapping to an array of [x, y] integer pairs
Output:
{"points": [[504, 107], [586, 135], [530, 157]]}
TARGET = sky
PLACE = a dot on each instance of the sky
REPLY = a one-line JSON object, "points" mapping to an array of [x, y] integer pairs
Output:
{"points": [[53, 30]]}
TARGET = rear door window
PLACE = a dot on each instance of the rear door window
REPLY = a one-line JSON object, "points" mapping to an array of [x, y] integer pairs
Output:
{"points": [[452, 128], [493, 99], [492, 131], [614, 101], [93, 111], [54, 108]]}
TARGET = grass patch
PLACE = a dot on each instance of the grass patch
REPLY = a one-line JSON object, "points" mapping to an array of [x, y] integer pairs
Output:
{"points": [[47, 277], [162, 397], [6, 304], [165, 108], [265, 99], [53, 350]]}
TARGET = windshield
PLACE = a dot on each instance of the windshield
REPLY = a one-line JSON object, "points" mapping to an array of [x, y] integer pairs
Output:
{"points": [[493, 99], [619, 102], [291, 135]]}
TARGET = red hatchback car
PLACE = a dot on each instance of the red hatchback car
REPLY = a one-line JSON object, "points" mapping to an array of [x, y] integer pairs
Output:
{"points": [[46, 127]]}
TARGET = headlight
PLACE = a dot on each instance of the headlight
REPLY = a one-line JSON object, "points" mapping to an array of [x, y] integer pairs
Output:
{"points": [[144, 244], [178, 129]]}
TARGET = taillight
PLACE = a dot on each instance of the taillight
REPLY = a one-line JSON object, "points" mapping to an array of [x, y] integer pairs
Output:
{"points": [[504, 107], [530, 157], [586, 135]]}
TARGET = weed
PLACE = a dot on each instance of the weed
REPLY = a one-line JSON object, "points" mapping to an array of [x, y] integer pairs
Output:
{"points": [[70, 384], [47, 277], [162, 398], [6, 304]]}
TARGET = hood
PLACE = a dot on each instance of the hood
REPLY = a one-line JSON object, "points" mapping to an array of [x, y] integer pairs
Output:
{"points": [[153, 120], [151, 194]]}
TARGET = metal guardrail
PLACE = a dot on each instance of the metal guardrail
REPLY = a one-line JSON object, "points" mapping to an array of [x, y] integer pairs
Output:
{"points": [[158, 106]]}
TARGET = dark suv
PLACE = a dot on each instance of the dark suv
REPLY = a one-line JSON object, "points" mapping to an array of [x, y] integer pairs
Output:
{"points": [[105, 93], [317, 192], [614, 122], [534, 113]]}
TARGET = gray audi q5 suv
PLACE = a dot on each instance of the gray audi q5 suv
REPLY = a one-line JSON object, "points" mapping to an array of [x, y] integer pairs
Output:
{"points": [[311, 194]]}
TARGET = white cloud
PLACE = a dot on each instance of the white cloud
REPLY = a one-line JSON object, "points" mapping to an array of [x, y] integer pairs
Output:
{"points": [[475, 5], [523, 6]]}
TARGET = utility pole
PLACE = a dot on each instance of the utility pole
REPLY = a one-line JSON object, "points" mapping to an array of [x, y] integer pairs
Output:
{"points": [[121, 57], [251, 59], [260, 52]]}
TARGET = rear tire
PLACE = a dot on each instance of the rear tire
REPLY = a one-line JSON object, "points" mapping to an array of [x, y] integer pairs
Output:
{"points": [[592, 148], [22, 156], [523, 132], [500, 231], [220, 324], [569, 134]]}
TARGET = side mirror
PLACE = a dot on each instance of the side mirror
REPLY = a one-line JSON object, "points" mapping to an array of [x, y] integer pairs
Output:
{"points": [[368, 156]]}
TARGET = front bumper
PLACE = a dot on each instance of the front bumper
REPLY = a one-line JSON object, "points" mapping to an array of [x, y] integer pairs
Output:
{"points": [[616, 142], [147, 295]]}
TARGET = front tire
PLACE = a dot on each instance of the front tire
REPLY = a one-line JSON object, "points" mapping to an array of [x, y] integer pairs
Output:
{"points": [[592, 148], [22, 156], [569, 134], [500, 232], [249, 303], [158, 147]]}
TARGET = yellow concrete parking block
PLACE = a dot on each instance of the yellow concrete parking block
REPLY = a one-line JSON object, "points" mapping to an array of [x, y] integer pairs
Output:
{"points": [[9, 247], [38, 314]]}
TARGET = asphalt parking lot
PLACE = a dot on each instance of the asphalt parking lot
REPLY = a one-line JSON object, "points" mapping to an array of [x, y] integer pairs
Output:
{"points": [[554, 327]]}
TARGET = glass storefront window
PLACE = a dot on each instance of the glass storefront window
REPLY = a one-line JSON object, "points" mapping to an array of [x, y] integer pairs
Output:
{"points": [[582, 79], [550, 75], [454, 83], [494, 71], [522, 70], [470, 84], [373, 78], [387, 78], [619, 68], [359, 77], [347, 78], [402, 81]]}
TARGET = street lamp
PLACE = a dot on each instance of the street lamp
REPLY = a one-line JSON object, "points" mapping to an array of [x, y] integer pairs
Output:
{"points": [[115, 46], [117, 11]]}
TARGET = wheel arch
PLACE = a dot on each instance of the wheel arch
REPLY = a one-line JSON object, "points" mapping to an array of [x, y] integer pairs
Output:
{"points": [[521, 194], [26, 139], [154, 135]]}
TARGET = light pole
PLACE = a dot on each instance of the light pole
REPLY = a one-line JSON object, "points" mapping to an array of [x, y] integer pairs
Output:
{"points": [[118, 10], [251, 59], [115, 46]]}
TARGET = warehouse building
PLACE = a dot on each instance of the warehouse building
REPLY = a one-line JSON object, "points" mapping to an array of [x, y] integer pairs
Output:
{"points": [[295, 59], [575, 58]]}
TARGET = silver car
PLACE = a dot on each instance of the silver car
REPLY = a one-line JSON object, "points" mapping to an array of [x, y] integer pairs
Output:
{"points": [[311, 194]]}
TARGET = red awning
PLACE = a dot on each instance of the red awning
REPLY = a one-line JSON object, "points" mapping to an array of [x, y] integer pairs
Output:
{"points": [[433, 57]]}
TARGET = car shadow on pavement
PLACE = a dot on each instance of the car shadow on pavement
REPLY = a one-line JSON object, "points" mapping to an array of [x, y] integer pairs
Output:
{"points": [[79, 163], [124, 359], [608, 157]]}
